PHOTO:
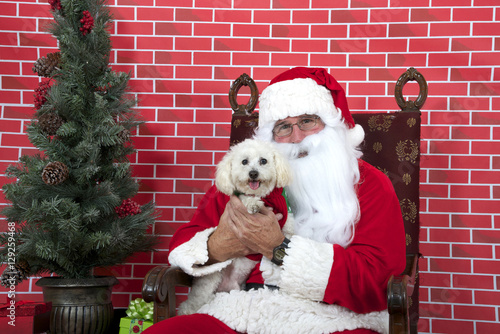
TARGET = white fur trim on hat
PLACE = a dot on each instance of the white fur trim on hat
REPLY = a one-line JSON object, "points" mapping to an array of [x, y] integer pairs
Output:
{"points": [[293, 98]]}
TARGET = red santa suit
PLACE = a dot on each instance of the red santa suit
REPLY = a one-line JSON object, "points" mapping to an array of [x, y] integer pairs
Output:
{"points": [[323, 288]]}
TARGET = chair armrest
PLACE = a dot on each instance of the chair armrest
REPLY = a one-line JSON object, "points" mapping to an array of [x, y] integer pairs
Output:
{"points": [[399, 289], [159, 287]]}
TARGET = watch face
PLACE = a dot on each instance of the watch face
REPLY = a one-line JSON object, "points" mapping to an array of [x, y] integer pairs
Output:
{"points": [[280, 254]]}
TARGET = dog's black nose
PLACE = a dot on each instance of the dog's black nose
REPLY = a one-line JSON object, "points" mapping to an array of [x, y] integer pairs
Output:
{"points": [[253, 174]]}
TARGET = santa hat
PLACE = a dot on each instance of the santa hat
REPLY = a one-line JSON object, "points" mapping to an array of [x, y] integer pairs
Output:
{"points": [[312, 91]]}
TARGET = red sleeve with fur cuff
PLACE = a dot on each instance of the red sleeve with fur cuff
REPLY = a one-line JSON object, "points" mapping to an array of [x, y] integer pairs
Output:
{"points": [[360, 272], [207, 215], [212, 207]]}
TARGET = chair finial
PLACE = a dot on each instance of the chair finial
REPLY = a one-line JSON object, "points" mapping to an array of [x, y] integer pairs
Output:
{"points": [[244, 109], [410, 75]]}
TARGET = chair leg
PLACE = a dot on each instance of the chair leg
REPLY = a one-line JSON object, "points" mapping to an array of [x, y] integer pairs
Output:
{"points": [[397, 305]]}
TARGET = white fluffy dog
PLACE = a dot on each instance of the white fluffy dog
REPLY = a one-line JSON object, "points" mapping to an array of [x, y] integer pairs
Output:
{"points": [[251, 170]]}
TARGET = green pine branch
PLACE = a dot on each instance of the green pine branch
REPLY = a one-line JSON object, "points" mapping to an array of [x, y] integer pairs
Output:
{"points": [[71, 226]]}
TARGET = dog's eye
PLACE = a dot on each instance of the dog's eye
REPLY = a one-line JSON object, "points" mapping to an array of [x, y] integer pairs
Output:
{"points": [[244, 162], [263, 161]]}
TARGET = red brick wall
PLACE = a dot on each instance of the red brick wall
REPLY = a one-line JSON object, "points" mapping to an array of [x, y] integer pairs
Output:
{"points": [[183, 55]]}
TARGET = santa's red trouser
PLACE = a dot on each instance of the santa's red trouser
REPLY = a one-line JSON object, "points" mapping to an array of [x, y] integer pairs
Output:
{"points": [[205, 324]]}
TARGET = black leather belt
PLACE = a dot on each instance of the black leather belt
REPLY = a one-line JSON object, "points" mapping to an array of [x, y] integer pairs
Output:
{"points": [[256, 286]]}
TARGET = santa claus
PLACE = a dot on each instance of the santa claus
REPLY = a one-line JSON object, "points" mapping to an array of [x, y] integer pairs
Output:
{"points": [[325, 270]]}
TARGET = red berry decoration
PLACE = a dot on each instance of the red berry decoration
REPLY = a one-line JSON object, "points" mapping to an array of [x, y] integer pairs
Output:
{"points": [[55, 5], [40, 93], [128, 207], [87, 23], [103, 89]]}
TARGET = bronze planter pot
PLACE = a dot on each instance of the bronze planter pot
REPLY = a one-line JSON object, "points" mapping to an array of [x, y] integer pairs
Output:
{"points": [[79, 306]]}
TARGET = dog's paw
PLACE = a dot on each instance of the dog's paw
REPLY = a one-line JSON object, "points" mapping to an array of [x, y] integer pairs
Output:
{"points": [[253, 209], [253, 204]]}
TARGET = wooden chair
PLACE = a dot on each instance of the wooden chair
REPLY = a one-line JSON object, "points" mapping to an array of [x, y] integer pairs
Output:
{"points": [[392, 144]]}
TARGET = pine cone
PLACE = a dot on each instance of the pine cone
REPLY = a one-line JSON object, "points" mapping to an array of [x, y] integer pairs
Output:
{"points": [[50, 122], [15, 274], [55, 173], [124, 135], [44, 66]]}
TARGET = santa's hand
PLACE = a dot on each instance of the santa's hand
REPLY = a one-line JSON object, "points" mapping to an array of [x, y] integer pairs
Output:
{"points": [[223, 244], [278, 215], [260, 232]]}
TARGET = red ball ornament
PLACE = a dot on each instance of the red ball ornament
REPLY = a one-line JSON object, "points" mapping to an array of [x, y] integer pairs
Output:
{"points": [[87, 23], [40, 93], [128, 207]]}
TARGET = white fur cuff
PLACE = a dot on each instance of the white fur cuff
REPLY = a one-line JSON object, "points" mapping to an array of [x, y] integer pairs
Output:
{"points": [[193, 254], [306, 268], [271, 273]]}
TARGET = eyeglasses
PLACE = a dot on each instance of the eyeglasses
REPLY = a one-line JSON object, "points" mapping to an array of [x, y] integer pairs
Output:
{"points": [[306, 123]]}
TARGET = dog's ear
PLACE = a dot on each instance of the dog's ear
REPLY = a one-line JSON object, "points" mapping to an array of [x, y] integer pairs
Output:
{"points": [[283, 170], [223, 175]]}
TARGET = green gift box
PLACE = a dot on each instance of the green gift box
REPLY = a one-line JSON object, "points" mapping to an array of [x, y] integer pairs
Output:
{"points": [[139, 317], [133, 326]]}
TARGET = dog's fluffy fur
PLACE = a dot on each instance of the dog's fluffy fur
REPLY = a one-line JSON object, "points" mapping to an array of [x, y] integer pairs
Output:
{"points": [[251, 170]]}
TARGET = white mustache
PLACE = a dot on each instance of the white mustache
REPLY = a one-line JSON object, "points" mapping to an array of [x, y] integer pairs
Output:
{"points": [[299, 150]]}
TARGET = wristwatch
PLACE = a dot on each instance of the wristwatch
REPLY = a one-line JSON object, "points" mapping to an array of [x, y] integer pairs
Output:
{"points": [[279, 252]]}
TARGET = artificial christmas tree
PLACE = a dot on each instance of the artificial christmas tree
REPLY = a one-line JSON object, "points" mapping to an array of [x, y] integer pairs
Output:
{"points": [[67, 203]]}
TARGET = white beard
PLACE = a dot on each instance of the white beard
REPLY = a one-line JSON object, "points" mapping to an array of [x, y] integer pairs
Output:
{"points": [[323, 192]]}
